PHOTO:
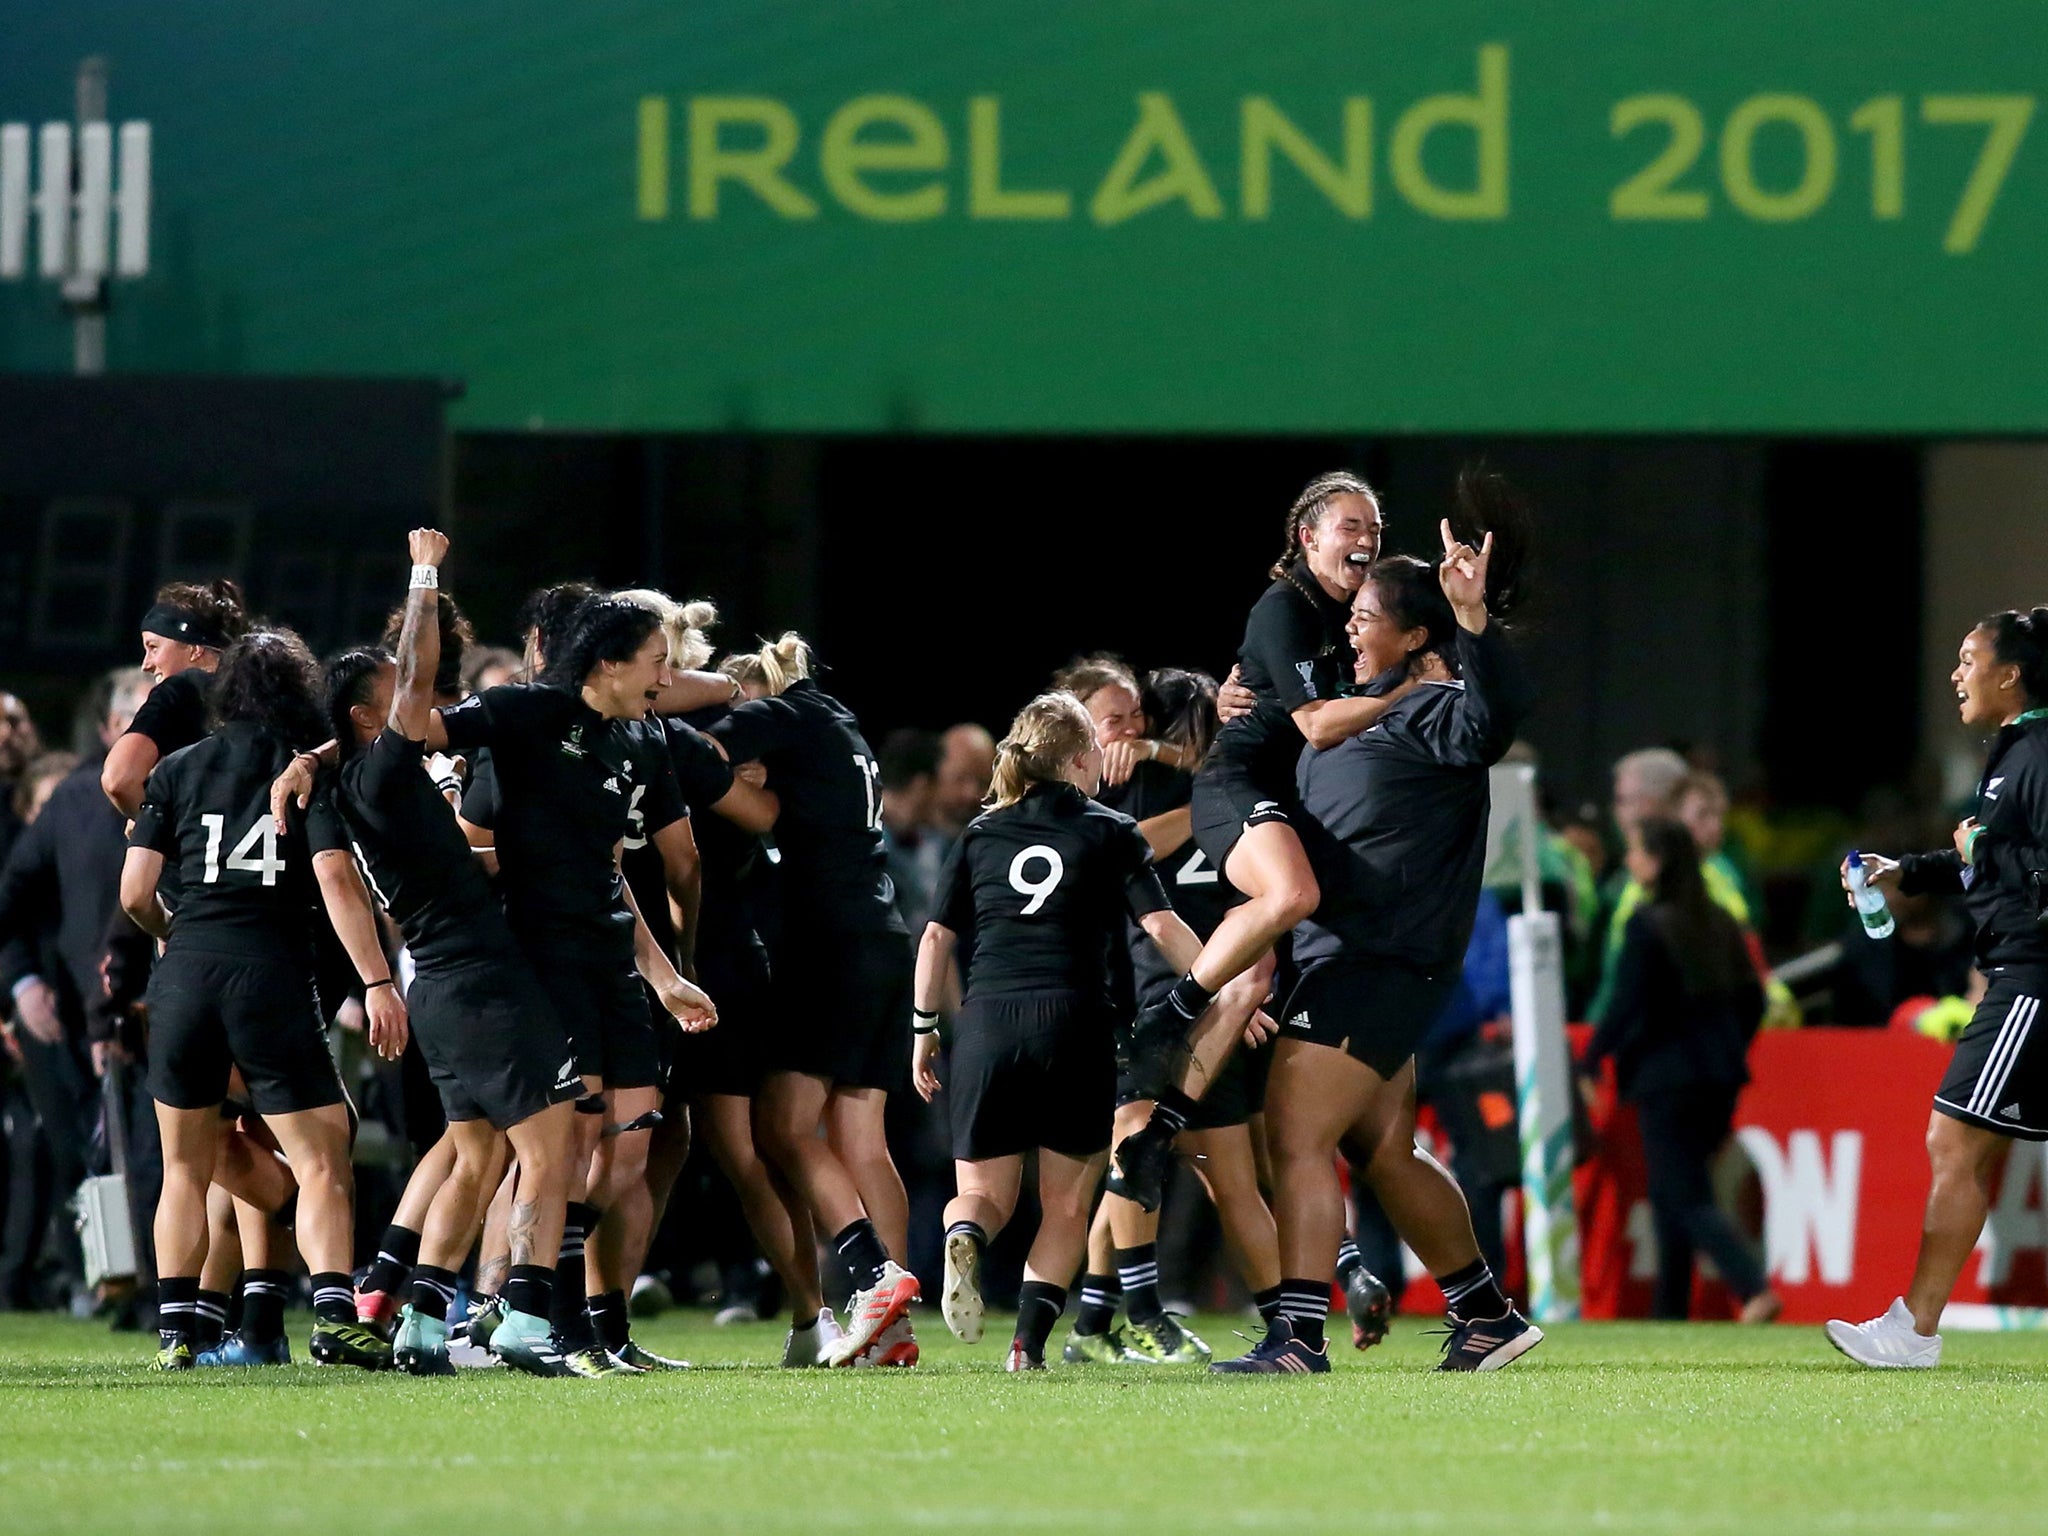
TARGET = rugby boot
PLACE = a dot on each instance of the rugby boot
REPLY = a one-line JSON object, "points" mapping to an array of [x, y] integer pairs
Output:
{"points": [[527, 1343], [1140, 1165], [1371, 1306], [1279, 1353], [420, 1345], [1487, 1344], [1096, 1348], [238, 1350], [870, 1312], [960, 1302], [348, 1344], [1163, 1342]]}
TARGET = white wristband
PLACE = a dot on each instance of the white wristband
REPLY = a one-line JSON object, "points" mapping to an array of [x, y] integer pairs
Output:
{"points": [[428, 576]]}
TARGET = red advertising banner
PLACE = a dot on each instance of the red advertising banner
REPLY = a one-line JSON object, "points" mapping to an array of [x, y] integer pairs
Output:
{"points": [[1831, 1129]]}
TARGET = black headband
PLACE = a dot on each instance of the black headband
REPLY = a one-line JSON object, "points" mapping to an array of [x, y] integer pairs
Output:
{"points": [[183, 624]]}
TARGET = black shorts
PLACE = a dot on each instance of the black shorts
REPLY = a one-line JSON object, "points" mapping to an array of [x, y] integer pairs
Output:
{"points": [[208, 1012], [1227, 800], [726, 1058], [1373, 1007], [1998, 1077], [1031, 1069], [495, 1050], [841, 1009], [601, 1005]]}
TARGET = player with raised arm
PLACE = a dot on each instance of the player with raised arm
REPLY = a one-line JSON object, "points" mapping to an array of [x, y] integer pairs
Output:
{"points": [[498, 1056], [234, 986]]}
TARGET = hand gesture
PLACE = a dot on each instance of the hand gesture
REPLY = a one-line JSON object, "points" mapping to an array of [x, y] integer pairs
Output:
{"points": [[294, 784], [1463, 577], [429, 546], [689, 1006], [1966, 833], [1233, 699], [923, 1057], [389, 1025]]}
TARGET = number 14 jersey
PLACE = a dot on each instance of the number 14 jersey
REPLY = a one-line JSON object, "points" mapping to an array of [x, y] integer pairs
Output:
{"points": [[1038, 893]]}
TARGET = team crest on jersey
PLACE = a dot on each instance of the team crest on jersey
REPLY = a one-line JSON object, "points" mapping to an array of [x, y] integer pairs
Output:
{"points": [[1307, 669], [1991, 788], [573, 747]]}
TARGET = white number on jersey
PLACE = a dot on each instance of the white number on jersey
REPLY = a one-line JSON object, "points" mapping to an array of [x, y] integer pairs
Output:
{"points": [[1196, 871], [1040, 889], [263, 830], [871, 782], [636, 819]]}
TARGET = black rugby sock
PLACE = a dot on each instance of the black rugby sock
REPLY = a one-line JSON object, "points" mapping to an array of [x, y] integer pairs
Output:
{"points": [[861, 1249], [608, 1320], [1099, 1297], [1305, 1304], [264, 1292], [572, 1322], [433, 1289], [1268, 1302], [334, 1299], [1039, 1306], [530, 1288], [210, 1314], [177, 1301], [398, 1250], [1138, 1271], [1472, 1294]]}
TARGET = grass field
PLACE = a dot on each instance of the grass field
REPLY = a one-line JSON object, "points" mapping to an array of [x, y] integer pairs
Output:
{"points": [[1617, 1427]]}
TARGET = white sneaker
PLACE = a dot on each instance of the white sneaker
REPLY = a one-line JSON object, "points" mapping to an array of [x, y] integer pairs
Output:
{"points": [[1888, 1342], [871, 1311], [960, 1302], [806, 1346]]}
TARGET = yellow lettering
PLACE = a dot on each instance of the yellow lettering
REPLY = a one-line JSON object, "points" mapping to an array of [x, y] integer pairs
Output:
{"points": [[1159, 131], [653, 157], [845, 157], [1486, 114], [986, 196], [758, 167], [1264, 128]]}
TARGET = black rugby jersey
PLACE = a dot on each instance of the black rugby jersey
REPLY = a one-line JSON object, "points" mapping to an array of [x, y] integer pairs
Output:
{"points": [[1038, 892], [567, 782], [728, 855], [247, 891], [835, 869], [173, 715], [413, 856], [1396, 830], [1295, 651], [1194, 886]]}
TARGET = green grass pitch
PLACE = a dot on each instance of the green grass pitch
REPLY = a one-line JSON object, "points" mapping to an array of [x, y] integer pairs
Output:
{"points": [[1606, 1427]]}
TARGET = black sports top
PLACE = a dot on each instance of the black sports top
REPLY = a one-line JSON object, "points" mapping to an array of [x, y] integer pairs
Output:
{"points": [[1038, 893], [1295, 650]]}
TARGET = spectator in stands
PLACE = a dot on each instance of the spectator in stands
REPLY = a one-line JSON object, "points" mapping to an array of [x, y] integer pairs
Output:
{"points": [[32, 790], [59, 889], [967, 761], [1685, 1003], [909, 761], [486, 666]]}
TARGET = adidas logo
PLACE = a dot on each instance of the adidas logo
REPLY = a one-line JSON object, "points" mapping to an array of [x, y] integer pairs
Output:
{"points": [[1299, 1021], [2010, 1112], [612, 784]]}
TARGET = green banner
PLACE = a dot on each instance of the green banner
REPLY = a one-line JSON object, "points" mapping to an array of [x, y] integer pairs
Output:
{"points": [[1088, 215]]}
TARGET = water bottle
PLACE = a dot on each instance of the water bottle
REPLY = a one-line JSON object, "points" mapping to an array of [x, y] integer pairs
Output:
{"points": [[1877, 917]]}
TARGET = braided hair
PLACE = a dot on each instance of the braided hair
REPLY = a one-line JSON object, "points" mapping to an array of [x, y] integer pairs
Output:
{"points": [[1308, 510]]}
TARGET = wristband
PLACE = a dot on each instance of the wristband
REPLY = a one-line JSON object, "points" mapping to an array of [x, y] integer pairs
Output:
{"points": [[1970, 845], [427, 576], [924, 1021], [369, 987]]}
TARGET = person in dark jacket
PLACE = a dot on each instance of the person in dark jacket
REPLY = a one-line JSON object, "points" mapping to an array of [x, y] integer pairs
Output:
{"points": [[1395, 819], [1996, 1088], [1685, 1005]]}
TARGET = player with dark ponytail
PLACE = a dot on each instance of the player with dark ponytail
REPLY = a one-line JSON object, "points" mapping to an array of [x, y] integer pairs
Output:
{"points": [[1996, 1088]]}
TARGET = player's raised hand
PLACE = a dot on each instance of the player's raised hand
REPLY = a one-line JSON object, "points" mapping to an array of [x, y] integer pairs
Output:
{"points": [[429, 546], [1462, 574]]}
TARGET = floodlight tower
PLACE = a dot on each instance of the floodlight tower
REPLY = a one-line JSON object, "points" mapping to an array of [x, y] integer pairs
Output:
{"points": [[74, 203]]}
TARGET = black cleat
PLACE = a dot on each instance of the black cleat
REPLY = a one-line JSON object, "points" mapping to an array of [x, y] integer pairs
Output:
{"points": [[1140, 1166], [1371, 1306], [348, 1344], [1487, 1344]]}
